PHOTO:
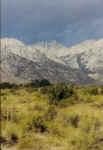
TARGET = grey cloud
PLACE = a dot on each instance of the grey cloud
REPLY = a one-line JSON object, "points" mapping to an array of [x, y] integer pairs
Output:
{"points": [[61, 20], [81, 31]]}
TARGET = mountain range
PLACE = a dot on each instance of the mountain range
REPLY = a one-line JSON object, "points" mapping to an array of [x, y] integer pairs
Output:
{"points": [[81, 64]]}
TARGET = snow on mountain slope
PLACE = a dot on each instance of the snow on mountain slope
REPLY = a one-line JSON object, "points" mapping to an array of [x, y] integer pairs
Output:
{"points": [[85, 59]]}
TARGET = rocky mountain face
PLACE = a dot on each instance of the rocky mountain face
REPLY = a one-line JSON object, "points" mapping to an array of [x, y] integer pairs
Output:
{"points": [[81, 64]]}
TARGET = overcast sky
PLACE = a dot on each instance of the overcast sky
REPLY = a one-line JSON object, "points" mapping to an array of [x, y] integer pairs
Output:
{"points": [[67, 21]]}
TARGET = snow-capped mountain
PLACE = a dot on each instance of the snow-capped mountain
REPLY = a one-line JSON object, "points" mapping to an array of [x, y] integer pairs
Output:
{"points": [[81, 64]]}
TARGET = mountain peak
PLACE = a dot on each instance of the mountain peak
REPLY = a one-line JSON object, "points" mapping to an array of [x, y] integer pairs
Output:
{"points": [[53, 60]]}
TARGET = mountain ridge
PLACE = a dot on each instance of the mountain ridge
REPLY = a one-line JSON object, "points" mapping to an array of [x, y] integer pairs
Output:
{"points": [[84, 60]]}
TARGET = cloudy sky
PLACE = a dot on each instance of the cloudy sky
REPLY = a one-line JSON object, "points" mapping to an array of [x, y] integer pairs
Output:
{"points": [[67, 21]]}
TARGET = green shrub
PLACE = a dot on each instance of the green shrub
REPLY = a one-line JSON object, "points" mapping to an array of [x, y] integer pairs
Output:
{"points": [[94, 91], [14, 138], [44, 82], [38, 83], [12, 133], [36, 122], [74, 120], [59, 92], [39, 124], [8, 85], [2, 140]]}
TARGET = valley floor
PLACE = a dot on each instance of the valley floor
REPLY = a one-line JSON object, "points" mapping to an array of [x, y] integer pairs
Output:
{"points": [[33, 119]]}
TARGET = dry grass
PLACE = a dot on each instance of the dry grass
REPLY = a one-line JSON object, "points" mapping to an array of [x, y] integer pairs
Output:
{"points": [[29, 121]]}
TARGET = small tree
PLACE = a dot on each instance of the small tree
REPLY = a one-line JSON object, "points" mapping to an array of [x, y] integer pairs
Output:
{"points": [[59, 92], [38, 83], [94, 91], [44, 82]]}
